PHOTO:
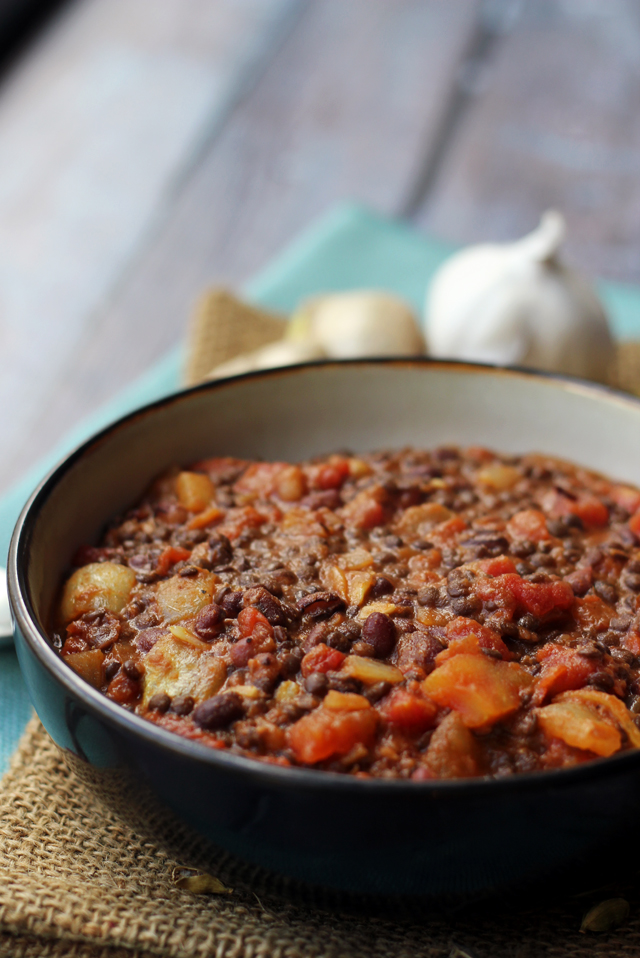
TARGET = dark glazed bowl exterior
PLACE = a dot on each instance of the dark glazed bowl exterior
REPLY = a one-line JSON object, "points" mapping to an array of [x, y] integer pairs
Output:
{"points": [[388, 837]]}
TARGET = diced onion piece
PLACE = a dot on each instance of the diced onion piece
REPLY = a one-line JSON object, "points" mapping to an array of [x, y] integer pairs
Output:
{"points": [[194, 490], [248, 691], [98, 585], [388, 608], [345, 701], [335, 580], [371, 671], [358, 585], [356, 560], [88, 665]]}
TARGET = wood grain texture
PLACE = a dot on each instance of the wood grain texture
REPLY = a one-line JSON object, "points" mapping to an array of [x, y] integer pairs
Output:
{"points": [[556, 125], [346, 108], [98, 123]]}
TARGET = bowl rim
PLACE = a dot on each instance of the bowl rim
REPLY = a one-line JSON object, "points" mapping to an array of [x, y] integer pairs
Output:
{"points": [[128, 723]]}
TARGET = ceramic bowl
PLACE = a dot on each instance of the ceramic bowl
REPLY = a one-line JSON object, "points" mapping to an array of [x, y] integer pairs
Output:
{"points": [[372, 836]]}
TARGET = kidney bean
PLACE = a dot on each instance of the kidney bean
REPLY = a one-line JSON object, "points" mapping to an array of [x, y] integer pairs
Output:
{"points": [[160, 702], [342, 683], [266, 603], [381, 586], [428, 596], [111, 669], [378, 691], [338, 640], [231, 604], [632, 581], [220, 551], [541, 561], [182, 704], [320, 605], [209, 622], [245, 649], [606, 591], [379, 632], [132, 670], [467, 605], [317, 684], [290, 662], [219, 712], [602, 681], [264, 671], [522, 549]]}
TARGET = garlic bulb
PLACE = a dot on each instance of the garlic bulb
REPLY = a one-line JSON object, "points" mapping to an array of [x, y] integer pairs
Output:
{"points": [[357, 324], [517, 304], [283, 352]]}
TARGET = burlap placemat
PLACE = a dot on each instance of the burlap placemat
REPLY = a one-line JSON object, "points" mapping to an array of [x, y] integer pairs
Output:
{"points": [[77, 882]]}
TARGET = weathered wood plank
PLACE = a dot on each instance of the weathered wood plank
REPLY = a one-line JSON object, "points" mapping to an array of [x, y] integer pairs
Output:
{"points": [[345, 109], [557, 125], [97, 122]]}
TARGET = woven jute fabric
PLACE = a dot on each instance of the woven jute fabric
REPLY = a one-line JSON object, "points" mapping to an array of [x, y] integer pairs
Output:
{"points": [[77, 881], [223, 327]]}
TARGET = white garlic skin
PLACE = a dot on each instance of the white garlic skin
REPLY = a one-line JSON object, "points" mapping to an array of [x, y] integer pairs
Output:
{"points": [[518, 304], [360, 323], [283, 352]]}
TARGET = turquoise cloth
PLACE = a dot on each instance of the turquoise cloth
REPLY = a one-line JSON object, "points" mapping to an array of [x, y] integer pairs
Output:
{"points": [[350, 247]]}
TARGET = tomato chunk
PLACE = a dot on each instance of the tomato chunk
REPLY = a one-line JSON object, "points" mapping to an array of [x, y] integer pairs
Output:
{"points": [[461, 628], [169, 557], [324, 733], [515, 594], [562, 669], [322, 659], [588, 508], [498, 566], [411, 714], [528, 524]]}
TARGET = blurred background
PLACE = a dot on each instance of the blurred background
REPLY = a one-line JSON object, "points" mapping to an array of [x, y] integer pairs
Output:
{"points": [[150, 148]]}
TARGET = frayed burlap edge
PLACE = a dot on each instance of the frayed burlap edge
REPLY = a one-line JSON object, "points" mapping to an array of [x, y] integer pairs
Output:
{"points": [[223, 327], [77, 880]]}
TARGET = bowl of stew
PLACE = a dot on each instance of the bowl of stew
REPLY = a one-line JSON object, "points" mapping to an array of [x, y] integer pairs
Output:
{"points": [[373, 625]]}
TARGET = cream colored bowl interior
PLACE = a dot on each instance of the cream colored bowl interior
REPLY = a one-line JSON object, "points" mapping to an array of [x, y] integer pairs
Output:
{"points": [[297, 413]]}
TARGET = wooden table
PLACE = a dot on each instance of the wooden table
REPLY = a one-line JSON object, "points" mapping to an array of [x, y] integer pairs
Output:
{"points": [[153, 147]]}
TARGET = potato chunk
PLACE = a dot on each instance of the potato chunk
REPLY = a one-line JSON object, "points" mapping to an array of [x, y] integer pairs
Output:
{"points": [[98, 585], [578, 725], [453, 752], [590, 720], [179, 598], [195, 491], [482, 690], [179, 669], [88, 665]]}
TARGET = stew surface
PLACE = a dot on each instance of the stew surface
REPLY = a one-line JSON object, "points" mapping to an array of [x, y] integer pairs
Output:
{"points": [[405, 614]]}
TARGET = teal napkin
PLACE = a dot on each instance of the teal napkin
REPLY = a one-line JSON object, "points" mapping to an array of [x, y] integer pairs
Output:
{"points": [[350, 247]]}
